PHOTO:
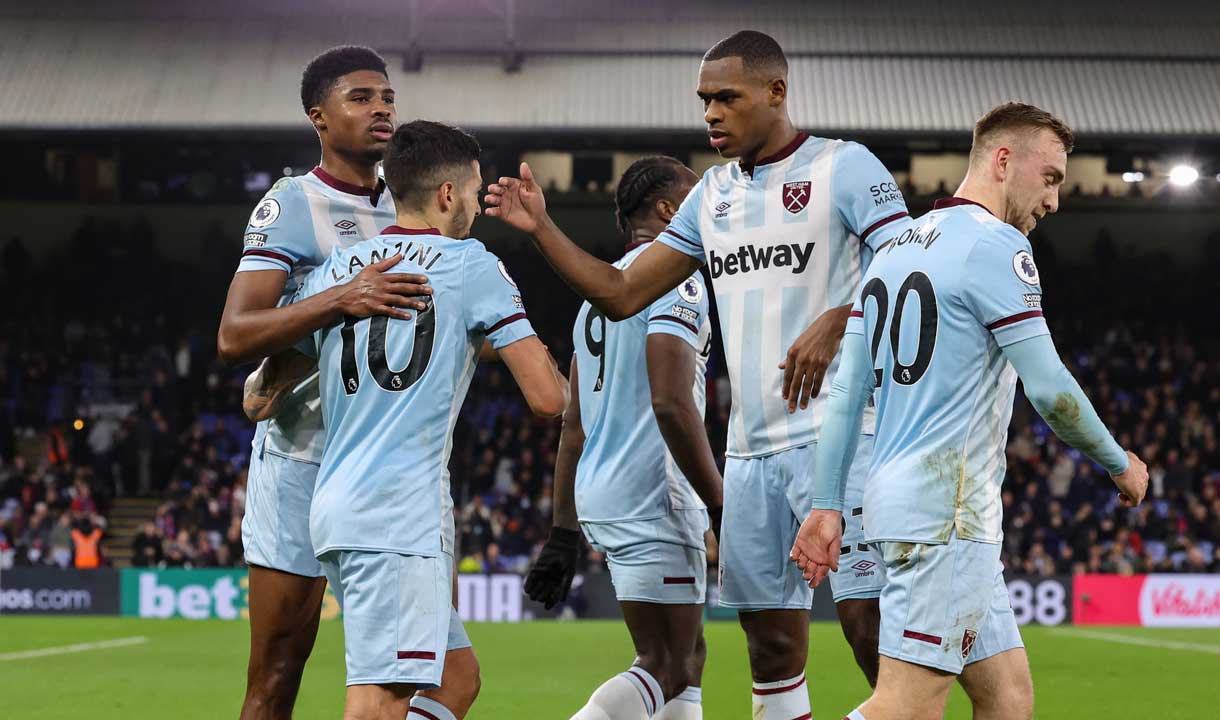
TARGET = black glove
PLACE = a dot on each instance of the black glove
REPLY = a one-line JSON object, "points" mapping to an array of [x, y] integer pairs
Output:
{"points": [[551, 576], [716, 514]]}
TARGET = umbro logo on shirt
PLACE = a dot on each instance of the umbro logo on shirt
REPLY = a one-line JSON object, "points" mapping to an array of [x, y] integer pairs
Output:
{"points": [[346, 228], [722, 210]]}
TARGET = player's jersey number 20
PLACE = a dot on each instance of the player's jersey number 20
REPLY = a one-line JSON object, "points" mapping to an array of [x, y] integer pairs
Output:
{"points": [[921, 285]]}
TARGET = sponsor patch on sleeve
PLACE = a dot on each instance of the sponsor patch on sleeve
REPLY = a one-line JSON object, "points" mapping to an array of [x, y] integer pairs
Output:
{"points": [[267, 212], [255, 239], [1023, 266], [691, 290], [1033, 300], [686, 314], [518, 302], [504, 272]]}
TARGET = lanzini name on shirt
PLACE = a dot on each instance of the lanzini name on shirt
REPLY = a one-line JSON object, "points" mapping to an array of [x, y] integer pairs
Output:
{"points": [[415, 252]]}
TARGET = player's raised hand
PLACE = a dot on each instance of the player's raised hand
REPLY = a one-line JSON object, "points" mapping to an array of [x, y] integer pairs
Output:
{"points": [[517, 201], [1133, 482], [374, 291], [816, 550], [805, 366], [551, 576]]}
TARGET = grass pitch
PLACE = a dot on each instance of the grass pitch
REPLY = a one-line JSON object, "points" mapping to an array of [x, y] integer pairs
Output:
{"points": [[196, 669]]}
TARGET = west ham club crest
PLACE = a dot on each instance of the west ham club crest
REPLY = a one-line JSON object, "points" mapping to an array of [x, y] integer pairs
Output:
{"points": [[968, 639], [796, 196]]}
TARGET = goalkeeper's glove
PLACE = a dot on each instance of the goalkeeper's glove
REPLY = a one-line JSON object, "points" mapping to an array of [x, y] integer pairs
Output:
{"points": [[551, 576]]}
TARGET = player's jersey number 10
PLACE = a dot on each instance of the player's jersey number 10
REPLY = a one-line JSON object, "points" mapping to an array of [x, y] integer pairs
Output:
{"points": [[424, 326]]}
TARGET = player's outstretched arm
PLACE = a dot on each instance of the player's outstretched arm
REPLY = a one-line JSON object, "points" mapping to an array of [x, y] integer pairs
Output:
{"points": [[816, 550], [551, 576], [252, 327], [1057, 397], [618, 294], [671, 375], [544, 387]]}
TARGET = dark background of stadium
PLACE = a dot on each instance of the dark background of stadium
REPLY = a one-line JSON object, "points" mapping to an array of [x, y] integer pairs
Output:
{"points": [[122, 228]]}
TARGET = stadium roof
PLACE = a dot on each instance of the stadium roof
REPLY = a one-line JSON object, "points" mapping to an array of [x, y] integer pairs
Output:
{"points": [[912, 67]]}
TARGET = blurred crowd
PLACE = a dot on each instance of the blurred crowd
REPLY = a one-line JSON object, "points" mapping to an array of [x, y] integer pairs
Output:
{"points": [[123, 398]]}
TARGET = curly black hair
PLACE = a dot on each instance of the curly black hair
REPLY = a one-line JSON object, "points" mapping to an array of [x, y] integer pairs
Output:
{"points": [[647, 180], [324, 71]]}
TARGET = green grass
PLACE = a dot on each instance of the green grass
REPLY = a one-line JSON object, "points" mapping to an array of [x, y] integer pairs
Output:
{"points": [[196, 669]]}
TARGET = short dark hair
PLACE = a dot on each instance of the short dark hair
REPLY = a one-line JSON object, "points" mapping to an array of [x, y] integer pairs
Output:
{"points": [[1019, 116], [419, 152], [647, 180], [324, 71], [758, 51]]}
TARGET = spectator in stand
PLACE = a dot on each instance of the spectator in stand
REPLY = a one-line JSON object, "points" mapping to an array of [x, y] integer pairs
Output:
{"points": [[146, 547], [36, 538], [86, 543], [494, 563]]}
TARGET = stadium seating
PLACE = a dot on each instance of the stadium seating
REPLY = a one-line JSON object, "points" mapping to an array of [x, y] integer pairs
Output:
{"points": [[162, 441]]}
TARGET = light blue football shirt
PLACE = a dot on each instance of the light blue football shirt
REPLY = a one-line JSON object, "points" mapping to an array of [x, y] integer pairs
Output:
{"points": [[294, 228], [784, 241], [941, 298], [391, 391], [626, 471]]}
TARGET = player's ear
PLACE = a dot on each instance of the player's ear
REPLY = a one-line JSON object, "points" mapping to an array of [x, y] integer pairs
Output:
{"points": [[666, 209], [777, 92], [317, 118], [1002, 157], [445, 195]]}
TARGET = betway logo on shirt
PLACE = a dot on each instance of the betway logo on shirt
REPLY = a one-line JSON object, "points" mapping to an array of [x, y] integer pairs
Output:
{"points": [[749, 257]]}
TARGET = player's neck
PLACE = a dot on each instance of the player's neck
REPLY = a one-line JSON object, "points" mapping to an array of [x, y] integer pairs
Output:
{"points": [[779, 138], [416, 220], [357, 171], [642, 236], [988, 195]]}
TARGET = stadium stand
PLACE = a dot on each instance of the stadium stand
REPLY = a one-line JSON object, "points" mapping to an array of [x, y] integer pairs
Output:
{"points": [[116, 417], [158, 460], [879, 66]]}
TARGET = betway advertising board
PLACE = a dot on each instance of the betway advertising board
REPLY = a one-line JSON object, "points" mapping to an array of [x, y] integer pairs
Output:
{"points": [[1148, 600], [191, 594], [223, 594]]}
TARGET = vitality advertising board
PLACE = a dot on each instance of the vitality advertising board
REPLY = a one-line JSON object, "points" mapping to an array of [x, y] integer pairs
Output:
{"points": [[1148, 600]]}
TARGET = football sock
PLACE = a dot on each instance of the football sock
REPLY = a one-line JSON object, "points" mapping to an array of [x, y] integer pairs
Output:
{"points": [[686, 706], [782, 700], [631, 695], [855, 715], [423, 708]]}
